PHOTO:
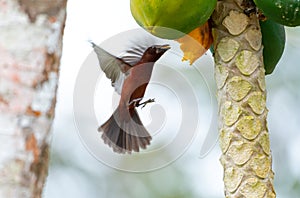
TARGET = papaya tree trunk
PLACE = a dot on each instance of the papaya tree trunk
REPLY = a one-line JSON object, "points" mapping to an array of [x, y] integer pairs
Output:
{"points": [[30, 50], [240, 78]]}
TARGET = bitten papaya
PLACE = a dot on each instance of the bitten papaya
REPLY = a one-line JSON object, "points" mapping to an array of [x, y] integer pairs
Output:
{"points": [[196, 43], [171, 19]]}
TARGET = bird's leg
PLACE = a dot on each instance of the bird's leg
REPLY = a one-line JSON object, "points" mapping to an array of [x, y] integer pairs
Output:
{"points": [[145, 103]]}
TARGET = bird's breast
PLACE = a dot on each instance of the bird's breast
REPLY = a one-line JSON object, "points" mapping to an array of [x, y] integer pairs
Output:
{"points": [[136, 82]]}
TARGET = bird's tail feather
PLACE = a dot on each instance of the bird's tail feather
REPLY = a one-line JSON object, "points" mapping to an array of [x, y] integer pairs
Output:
{"points": [[125, 135]]}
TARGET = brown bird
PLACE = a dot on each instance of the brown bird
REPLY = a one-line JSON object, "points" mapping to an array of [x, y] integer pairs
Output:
{"points": [[130, 75]]}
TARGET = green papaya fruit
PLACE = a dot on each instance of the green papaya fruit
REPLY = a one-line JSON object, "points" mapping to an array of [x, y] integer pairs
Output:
{"points": [[171, 19], [285, 12], [273, 40]]}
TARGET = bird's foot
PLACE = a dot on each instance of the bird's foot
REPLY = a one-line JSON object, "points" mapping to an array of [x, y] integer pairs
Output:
{"points": [[143, 104]]}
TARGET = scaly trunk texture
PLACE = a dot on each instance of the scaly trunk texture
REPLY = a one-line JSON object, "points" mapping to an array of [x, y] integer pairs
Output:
{"points": [[30, 50], [240, 78]]}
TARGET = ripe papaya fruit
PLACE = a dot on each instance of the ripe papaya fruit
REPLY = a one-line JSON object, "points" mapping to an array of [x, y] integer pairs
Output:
{"points": [[196, 43], [171, 19], [273, 40], [285, 12]]}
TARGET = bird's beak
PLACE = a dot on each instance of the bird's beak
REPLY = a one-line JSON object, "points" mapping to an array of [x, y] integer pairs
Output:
{"points": [[163, 48]]}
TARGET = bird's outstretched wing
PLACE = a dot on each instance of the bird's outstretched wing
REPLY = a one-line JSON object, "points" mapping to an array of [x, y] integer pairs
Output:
{"points": [[113, 67]]}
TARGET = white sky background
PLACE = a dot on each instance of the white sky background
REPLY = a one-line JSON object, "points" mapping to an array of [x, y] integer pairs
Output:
{"points": [[98, 20]]}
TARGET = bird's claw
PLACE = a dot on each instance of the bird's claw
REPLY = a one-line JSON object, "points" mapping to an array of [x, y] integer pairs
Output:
{"points": [[143, 104]]}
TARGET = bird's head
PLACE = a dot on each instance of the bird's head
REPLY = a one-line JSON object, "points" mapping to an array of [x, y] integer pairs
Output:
{"points": [[153, 53]]}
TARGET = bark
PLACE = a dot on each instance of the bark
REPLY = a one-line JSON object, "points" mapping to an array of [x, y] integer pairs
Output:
{"points": [[30, 50], [240, 78]]}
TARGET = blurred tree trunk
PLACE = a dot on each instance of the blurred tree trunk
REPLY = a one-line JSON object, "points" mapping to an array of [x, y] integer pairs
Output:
{"points": [[30, 50], [240, 77]]}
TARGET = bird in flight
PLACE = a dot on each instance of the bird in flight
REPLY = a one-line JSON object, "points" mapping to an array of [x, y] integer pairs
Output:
{"points": [[130, 74]]}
